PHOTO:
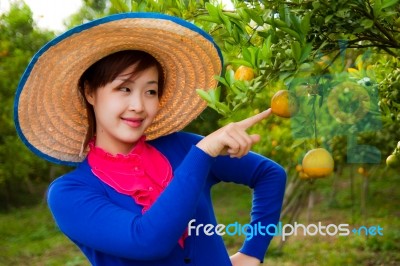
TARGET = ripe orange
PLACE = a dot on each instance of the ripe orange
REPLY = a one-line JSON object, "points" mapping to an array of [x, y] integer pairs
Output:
{"points": [[361, 170], [318, 163], [393, 161], [284, 104], [244, 73]]}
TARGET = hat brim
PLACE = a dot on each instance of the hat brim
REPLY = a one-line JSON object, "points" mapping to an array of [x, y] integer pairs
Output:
{"points": [[49, 114]]}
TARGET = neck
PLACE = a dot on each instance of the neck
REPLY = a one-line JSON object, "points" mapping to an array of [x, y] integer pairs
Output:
{"points": [[117, 148]]}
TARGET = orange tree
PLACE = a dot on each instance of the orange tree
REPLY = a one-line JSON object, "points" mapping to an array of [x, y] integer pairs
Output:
{"points": [[339, 58], [317, 49]]}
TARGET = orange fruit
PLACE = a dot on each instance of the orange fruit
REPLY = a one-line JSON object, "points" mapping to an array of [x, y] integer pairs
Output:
{"points": [[274, 143], [318, 163], [244, 73], [393, 161], [361, 170], [284, 104], [299, 168]]}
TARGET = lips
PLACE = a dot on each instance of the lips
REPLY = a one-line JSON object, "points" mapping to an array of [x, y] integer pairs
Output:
{"points": [[133, 122]]}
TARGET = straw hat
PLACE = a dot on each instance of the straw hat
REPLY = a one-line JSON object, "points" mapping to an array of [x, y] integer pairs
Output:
{"points": [[49, 114]]}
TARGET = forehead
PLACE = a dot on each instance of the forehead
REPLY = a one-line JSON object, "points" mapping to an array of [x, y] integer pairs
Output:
{"points": [[131, 74]]}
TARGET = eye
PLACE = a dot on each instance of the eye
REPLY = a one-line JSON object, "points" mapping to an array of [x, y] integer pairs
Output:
{"points": [[152, 92], [124, 89]]}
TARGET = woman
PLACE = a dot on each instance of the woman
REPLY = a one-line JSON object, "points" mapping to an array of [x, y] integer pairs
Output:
{"points": [[111, 96]]}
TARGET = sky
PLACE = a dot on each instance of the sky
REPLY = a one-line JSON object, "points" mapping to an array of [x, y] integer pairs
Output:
{"points": [[48, 13], [51, 13]]}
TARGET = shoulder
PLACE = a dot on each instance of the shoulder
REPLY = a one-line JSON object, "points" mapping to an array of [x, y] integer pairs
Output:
{"points": [[175, 146], [73, 189], [178, 140], [182, 137], [74, 180]]}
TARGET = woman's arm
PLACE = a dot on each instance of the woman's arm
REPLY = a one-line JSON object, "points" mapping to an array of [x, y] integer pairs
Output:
{"points": [[268, 181], [266, 177], [85, 214]]}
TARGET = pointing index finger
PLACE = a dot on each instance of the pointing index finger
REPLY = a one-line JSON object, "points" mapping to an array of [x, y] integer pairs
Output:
{"points": [[252, 120]]}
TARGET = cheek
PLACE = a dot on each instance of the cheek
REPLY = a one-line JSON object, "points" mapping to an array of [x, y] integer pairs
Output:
{"points": [[108, 107], [153, 108]]}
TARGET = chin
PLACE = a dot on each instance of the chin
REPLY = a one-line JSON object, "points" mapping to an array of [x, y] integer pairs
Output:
{"points": [[132, 139]]}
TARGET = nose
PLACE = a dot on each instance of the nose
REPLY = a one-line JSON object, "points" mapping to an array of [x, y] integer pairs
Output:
{"points": [[136, 103]]}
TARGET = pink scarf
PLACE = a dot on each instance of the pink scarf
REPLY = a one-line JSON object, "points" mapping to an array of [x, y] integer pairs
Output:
{"points": [[142, 174]]}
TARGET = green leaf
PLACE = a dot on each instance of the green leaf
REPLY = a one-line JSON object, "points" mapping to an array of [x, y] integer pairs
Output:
{"points": [[254, 16], [243, 15], [295, 21], [221, 80], [387, 3], [298, 142], [305, 23], [230, 77], [292, 33], [232, 15], [328, 18], [240, 61], [222, 108], [264, 34], [120, 5], [316, 4], [278, 23], [236, 35], [266, 52], [246, 54], [217, 92], [235, 89], [367, 23], [305, 52], [204, 95], [377, 8], [213, 11], [225, 20], [241, 85], [321, 101], [296, 50], [208, 18], [214, 94]]}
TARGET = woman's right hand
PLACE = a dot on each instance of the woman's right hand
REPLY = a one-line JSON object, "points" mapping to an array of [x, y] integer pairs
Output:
{"points": [[233, 139]]}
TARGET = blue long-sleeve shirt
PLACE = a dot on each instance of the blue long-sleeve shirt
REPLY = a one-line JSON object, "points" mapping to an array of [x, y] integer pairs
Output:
{"points": [[110, 228]]}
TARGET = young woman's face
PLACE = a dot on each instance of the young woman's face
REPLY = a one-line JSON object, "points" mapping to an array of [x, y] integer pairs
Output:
{"points": [[124, 109]]}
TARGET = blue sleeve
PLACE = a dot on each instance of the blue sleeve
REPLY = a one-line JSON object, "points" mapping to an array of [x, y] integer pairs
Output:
{"points": [[88, 217], [268, 181]]}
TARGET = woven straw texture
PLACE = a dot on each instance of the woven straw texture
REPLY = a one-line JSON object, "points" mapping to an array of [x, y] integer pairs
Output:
{"points": [[51, 115]]}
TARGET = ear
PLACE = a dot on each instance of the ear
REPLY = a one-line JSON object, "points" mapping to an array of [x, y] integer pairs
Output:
{"points": [[89, 94]]}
